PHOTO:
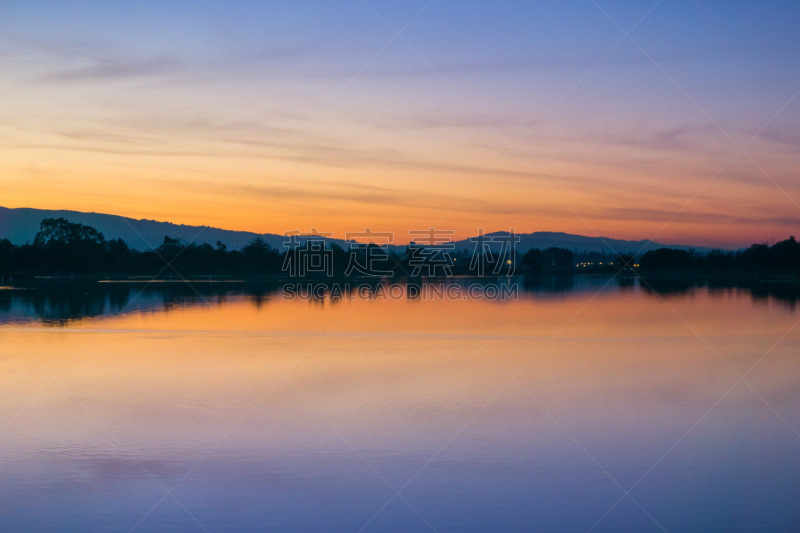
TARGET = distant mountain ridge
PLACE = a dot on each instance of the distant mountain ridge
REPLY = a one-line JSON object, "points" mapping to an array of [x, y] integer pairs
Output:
{"points": [[579, 243], [20, 225]]}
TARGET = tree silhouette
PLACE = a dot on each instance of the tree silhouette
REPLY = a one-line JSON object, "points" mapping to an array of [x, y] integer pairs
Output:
{"points": [[66, 232], [666, 259], [550, 260], [63, 247]]}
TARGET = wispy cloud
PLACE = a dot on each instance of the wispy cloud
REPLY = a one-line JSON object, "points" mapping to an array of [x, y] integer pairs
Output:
{"points": [[117, 68]]}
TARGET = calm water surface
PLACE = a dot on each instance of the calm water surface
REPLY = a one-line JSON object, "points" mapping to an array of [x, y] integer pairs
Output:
{"points": [[585, 404]]}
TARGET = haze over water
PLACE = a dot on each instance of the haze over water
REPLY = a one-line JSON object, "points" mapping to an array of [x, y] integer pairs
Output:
{"points": [[236, 411]]}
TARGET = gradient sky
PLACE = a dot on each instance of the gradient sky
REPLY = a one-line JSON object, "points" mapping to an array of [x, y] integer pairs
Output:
{"points": [[677, 121]]}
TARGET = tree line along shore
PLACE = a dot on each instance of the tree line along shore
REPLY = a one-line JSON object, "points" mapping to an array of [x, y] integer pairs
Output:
{"points": [[65, 248]]}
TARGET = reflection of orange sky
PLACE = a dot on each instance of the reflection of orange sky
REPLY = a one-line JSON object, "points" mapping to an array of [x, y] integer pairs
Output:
{"points": [[179, 379], [607, 315]]}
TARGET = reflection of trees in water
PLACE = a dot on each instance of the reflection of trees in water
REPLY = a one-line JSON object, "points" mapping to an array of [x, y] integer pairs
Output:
{"points": [[5, 301], [787, 292], [670, 285], [626, 282], [781, 290], [61, 302], [554, 283], [62, 307]]}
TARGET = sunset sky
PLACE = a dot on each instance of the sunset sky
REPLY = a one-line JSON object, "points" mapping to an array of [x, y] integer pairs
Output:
{"points": [[675, 121]]}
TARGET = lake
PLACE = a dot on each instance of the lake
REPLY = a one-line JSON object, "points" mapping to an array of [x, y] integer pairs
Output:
{"points": [[578, 403]]}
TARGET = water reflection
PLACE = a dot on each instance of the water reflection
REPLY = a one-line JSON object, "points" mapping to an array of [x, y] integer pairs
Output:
{"points": [[61, 302], [309, 414], [783, 290], [58, 303]]}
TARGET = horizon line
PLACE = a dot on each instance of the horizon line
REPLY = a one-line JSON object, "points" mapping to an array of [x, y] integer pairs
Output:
{"points": [[362, 231]]}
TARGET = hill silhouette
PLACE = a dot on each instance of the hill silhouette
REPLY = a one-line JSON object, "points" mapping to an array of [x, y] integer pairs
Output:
{"points": [[20, 225], [578, 243]]}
